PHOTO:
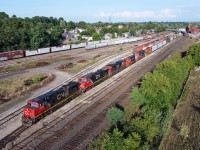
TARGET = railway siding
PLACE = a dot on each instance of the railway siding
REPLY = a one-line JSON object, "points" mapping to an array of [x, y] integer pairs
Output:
{"points": [[87, 98]]}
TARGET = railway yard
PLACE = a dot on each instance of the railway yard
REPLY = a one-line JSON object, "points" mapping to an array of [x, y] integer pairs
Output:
{"points": [[74, 125], [61, 77]]}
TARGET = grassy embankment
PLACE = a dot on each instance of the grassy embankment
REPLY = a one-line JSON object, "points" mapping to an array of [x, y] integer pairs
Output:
{"points": [[13, 89]]}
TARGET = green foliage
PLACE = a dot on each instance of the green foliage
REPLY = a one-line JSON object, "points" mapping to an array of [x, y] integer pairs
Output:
{"points": [[133, 141], [194, 51], [137, 98], [115, 115], [89, 32], [157, 89], [39, 78], [115, 141], [36, 32], [145, 128], [129, 111], [96, 37], [40, 37], [82, 24], [100, 142]]}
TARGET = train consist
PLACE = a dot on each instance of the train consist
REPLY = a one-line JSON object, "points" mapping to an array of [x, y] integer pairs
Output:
{"points": [[41, 106], [90, 45]]}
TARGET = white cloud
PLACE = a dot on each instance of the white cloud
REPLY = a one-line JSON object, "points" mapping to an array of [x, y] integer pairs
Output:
{"points": [[169, 13], [164, 13]]}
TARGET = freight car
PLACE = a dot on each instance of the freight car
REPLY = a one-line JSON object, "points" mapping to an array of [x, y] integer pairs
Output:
{"points": [[90, 45], [52, 100], [12, 55]]}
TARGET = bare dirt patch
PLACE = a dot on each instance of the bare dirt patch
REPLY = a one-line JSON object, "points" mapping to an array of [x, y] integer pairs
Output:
{"points": [[79, 64], [19, 86], [33, 64], [185, 129]]}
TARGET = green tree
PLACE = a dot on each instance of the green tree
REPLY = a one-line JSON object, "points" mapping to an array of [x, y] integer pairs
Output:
{"points": [[172, 70], [71, 25], [137, 98], [96, 37], [145, 128], [194, 51], [40, 37], [129, 111], [115, 141], [55, 36], [133, 141], [157, 89], [82, 24], [115, 115]]}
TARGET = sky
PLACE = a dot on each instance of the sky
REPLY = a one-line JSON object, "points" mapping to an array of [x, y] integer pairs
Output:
{"points": [[106, 10]]}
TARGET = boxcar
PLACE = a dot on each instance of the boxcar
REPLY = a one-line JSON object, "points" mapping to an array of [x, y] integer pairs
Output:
{"points": [[12, 55]]}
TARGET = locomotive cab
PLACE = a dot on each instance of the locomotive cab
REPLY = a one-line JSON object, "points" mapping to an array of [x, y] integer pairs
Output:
{"points": [[121, 64], [129, 60], [31, 111], [85, 82], [113, 68]]}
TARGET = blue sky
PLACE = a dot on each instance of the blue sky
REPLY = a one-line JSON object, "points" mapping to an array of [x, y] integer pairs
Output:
{"points": [[102, 10]]}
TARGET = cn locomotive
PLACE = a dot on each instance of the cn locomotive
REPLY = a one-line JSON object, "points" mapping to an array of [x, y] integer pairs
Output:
{"points": [[43, 105], [52, 100]]}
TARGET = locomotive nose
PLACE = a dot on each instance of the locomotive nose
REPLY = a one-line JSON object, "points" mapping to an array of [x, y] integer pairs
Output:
{"points": [[26, 112]]}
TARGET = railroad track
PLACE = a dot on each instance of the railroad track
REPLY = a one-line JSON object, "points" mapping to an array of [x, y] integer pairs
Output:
{"points": [[84, 136], [81, 136], [41, 57], [12, 136], [4, 121], [67, 115], [10, 63]]}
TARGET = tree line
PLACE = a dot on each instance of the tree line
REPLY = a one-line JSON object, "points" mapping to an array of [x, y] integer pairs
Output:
{"points": [[144, 121], [32, 33]]}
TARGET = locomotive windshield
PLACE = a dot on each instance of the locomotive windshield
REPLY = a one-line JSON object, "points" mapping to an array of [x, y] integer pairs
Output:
{"points": [[34, 105], [82, 80]]}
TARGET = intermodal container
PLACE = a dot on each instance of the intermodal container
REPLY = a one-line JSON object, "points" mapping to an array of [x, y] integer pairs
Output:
{"points": [[73, 46], [137, 49], [145, 46], [164, 42], [160, 45], [118, 42], [43, 50], [97, 42], [154, 48], [101, 45], [61, 48], [148, 51], [91, 46], [31, 52], [90, 43]]}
